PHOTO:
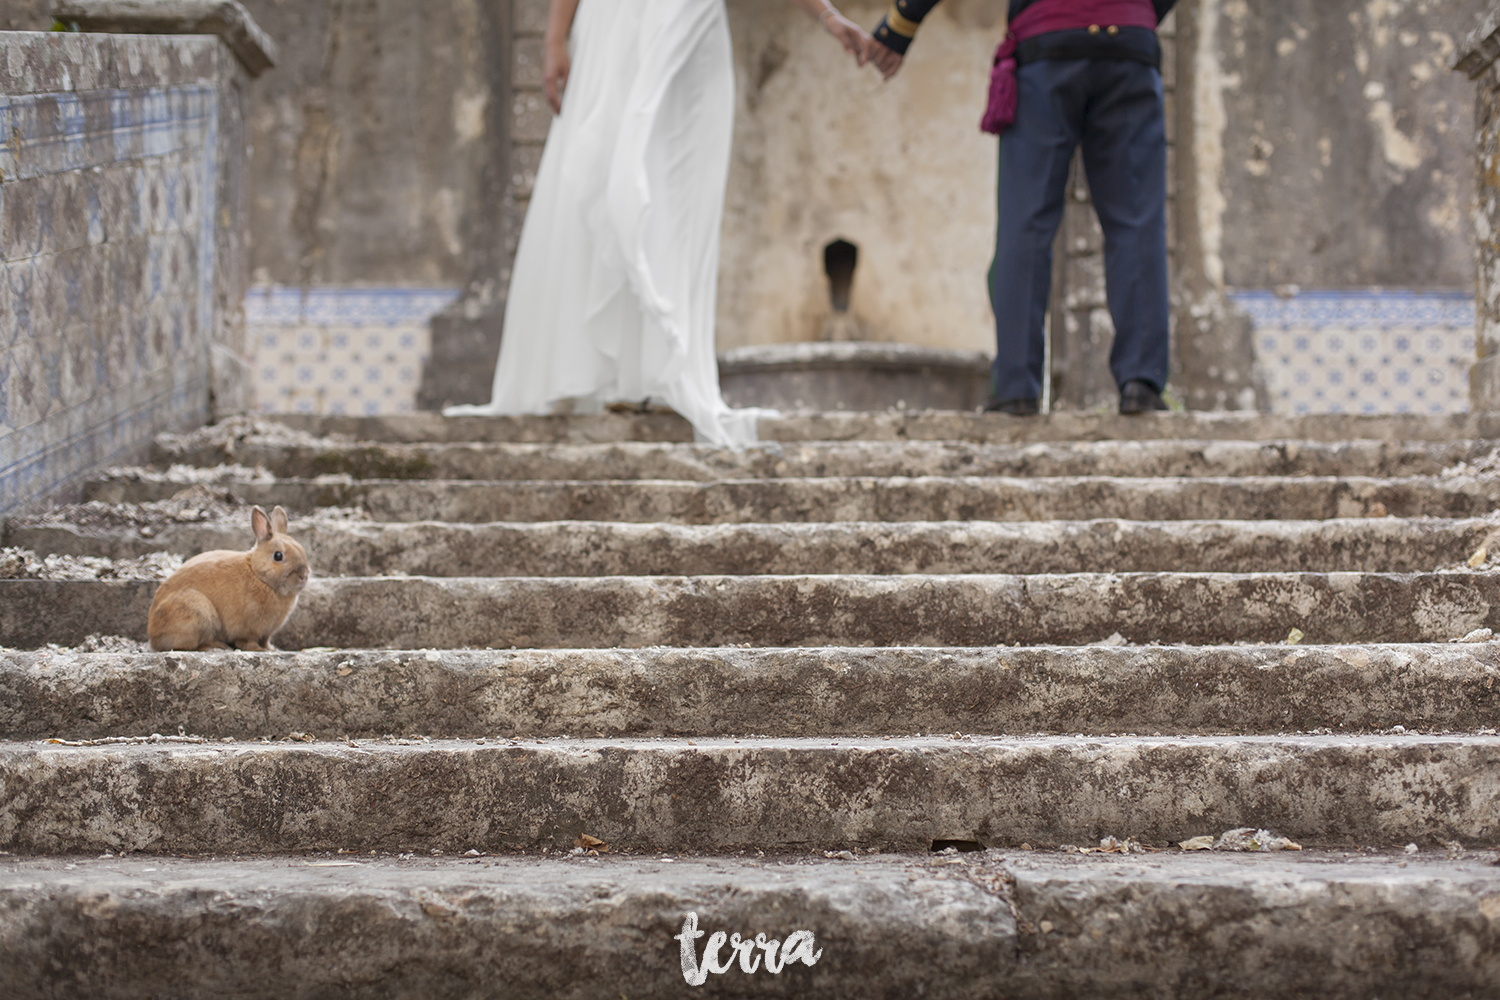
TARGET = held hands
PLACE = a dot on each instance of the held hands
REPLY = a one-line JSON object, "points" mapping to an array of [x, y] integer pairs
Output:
{"points": [[853, 38], [850, 35], [885, 60]]}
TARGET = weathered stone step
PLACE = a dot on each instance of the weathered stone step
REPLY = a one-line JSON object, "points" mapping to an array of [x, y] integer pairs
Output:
{"points": [[913, 426], [846, 499], [980, 925], [720, 794], [608, 548], [778, 692], [595, 612], [702, 463]]}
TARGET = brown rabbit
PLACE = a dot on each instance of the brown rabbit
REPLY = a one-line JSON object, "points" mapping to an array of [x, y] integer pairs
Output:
{"points": [[231, 600]]}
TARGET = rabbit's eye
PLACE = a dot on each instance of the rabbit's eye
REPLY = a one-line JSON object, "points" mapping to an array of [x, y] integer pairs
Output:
{"points": [[278, 557]]}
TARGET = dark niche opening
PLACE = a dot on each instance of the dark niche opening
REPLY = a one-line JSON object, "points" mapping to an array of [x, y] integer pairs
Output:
{"points": [[958, 845], [839, 258]]}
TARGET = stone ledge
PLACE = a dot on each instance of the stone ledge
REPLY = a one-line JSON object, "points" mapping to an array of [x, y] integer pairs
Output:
{"points": [[228, 19], [1480, 47], [777, 357]]}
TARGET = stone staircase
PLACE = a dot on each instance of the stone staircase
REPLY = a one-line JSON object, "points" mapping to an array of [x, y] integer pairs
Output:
{"points": [[558, 683]]}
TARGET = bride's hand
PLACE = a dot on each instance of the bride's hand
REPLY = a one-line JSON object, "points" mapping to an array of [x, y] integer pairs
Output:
{"points": [[555, 66], [850, 35], [555, 59]]}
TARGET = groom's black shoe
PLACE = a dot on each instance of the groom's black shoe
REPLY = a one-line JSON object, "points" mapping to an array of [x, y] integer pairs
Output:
{"points": [[1015, 407], [1139, 396]]}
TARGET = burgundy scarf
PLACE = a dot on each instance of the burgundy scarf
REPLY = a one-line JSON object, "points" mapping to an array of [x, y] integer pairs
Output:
{"points": [[1038, 19]]}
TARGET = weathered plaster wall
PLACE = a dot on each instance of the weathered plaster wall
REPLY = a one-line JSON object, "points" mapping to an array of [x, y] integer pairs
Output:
{"points": [[826, 151], [1484, 378], [1327, 149], [25, 15], [1343, 143], [116, 247], [374, 142], [363, 165]]}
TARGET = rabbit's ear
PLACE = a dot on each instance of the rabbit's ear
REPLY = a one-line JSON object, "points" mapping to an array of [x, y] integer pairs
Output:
{"points": [[261, 523], [278, 520]]}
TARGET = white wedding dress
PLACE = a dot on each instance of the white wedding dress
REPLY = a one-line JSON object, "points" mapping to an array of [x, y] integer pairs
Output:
{"points": [[613, 291]]}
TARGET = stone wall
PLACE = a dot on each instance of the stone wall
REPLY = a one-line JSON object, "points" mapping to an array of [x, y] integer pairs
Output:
{"points": [[121, 288], [1476, 61], [825, 151], [1332, 160], [380, 163]]}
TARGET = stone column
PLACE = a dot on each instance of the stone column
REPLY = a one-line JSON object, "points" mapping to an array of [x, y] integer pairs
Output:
{"points": [[253, 53], [1476, 57], [466, 335]]}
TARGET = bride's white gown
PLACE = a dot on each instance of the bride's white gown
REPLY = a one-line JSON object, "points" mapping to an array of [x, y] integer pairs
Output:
{"points": [[612, 293]]}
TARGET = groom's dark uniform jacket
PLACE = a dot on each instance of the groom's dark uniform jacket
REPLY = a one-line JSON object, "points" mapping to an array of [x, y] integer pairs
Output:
{"points": [[897, 29], [1081, 79]]}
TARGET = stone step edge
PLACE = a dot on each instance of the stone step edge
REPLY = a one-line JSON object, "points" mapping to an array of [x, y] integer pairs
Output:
{"points": [[645, 461], [971, 926], [611, 548], [803, 692], [773, 611], [843, 499], [910, 425], [975, 925], [720, 794]]}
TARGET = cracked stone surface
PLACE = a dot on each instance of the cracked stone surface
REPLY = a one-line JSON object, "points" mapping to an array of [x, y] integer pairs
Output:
{"points": [[849, 498], [354, 547]]}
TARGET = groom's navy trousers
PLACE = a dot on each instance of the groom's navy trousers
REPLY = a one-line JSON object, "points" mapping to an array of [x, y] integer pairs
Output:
{"points": [[1113, 108]]}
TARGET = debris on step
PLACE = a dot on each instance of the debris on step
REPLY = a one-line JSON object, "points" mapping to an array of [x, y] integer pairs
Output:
{"points": [[1488, 465], [130, 740], [223, 474], [23, 564], [228, 433], [1248, 838], [198, 504], [1205, 843], [1293, 637], [1478, 635]]}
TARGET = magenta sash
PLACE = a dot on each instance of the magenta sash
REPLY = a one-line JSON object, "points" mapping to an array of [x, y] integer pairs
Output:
{"points": [[1038, 19]]}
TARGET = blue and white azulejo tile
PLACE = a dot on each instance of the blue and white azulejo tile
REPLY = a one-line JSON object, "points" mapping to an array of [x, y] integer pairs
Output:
{"points": [[354, 351], [1363, 351]]}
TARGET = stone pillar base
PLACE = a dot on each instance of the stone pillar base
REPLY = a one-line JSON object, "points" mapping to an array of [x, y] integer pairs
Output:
{"points": [[1484, 385]]}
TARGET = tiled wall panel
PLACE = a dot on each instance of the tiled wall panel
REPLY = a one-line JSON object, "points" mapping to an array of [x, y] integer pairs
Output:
{"points": [[356, 351], [1364, 352], [108, 187]]}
